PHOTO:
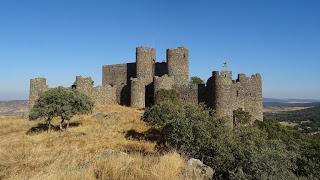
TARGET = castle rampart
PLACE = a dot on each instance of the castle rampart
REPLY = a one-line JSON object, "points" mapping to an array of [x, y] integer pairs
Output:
{"points": [[100, 94], [135, 84], [230, 95]]}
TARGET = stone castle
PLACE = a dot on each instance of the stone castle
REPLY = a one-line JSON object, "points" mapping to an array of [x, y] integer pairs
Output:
{"points": [[134, 84]]}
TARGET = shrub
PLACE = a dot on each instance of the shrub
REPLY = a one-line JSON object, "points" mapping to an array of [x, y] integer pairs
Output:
{"points": [[241, 117], [162, 113], [60, 102], [245, 152], [167, 96], [194, 80]]}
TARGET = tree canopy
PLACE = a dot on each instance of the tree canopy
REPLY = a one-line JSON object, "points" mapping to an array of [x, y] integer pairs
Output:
{"points": [[60, 102], [195, 80], [263, 150]]}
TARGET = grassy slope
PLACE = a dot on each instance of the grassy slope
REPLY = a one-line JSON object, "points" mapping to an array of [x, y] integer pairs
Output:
{"points": [[76, 153]]}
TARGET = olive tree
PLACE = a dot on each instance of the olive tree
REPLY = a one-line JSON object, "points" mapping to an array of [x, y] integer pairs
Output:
{"points": [[60, 102]]}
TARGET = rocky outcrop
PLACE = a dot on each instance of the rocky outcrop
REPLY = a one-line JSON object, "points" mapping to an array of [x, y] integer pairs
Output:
{"points": [[196, 170]]}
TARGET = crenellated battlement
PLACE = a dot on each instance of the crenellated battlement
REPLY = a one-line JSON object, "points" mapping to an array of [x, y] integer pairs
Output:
{"points": [[135, 84]]}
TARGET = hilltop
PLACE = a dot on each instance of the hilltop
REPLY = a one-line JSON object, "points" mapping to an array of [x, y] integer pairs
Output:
{"points": [[29, 152]]}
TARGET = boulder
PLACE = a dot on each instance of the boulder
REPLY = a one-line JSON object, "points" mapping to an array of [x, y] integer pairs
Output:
{"points": [[196, 170], [99, 116]]}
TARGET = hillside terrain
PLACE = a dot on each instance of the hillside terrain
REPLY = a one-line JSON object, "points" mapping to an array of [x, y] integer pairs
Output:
{"points": [[29, 152], [306, 119], [13, 108]]}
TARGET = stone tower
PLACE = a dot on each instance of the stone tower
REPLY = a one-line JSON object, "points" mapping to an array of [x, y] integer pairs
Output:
{"points": [[37, 86], [137, 93], [178, 65], [222, 89], [227, 95], [145, 62], [135, 84]]}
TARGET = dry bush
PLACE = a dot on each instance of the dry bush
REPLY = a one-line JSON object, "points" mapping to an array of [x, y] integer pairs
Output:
{"points": [[77, 152]]}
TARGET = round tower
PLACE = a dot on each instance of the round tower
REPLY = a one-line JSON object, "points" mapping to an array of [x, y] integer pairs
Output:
{"points": [[145, 61], [222, 95], [178, 65], [137, 93], [37, 86]]}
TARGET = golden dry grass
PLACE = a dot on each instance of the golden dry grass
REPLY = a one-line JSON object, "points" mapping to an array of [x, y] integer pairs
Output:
{"points": [[77, 152]]}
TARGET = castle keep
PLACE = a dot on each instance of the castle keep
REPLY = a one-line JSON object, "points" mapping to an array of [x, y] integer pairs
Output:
{"points": [[135, 84]]}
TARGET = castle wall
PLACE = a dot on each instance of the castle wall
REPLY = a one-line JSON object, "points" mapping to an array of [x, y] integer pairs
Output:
{"points": [[188, 95], [103, 95], [227, 95], [222, 99], [145, 63], [37, 86], [163, 82], [161, 68], [100, 94], [178, 65], [202, 94], [135, 84], [251, 95], [118, 74], [137, 93]]}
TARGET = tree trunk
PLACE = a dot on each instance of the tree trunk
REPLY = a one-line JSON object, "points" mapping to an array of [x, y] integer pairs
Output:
{"points": [[68, 122], [49, 125], [49, 128], [61, 124]]}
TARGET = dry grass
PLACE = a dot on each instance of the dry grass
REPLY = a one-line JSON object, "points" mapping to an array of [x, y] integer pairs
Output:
{"points": [[77, 152]]}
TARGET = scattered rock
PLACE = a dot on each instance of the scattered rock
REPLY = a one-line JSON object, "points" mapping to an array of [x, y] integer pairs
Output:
{"points": [[99, 116], [196, 170], [110, 152], [102, 116]]}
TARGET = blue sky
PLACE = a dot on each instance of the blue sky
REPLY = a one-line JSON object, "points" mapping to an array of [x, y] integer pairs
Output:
{"points": [[59, 39]]}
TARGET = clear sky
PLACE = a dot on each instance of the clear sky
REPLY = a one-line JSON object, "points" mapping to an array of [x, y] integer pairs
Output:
{"points": [[59, 39]]}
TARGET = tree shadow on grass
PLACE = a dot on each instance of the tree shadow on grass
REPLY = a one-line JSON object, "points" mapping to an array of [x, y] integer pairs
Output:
{"points": [[152, 134], [42, 127]]}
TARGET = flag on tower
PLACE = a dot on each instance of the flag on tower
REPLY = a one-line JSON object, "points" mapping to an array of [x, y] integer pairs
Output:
{"points": [[225, 65]]}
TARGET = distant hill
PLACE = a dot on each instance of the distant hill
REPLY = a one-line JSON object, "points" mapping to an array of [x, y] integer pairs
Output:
{"points": [[293, 100], [13, 108], [307, 119], [285, 104]]}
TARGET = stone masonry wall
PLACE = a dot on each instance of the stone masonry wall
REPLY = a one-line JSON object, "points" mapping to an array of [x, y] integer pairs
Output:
{"points": [[100, 95], [163, 82], [135, 84], [161, 68], [137, 93], [188, 95], [118, 74], [229, 95], [37, 86], [145, 62], [178, 65]]}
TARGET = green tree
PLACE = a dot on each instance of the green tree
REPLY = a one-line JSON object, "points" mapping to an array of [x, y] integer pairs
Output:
{"points": [[60, 102], [241, 117], [194, 80], [244, 152], [167, 96]]}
